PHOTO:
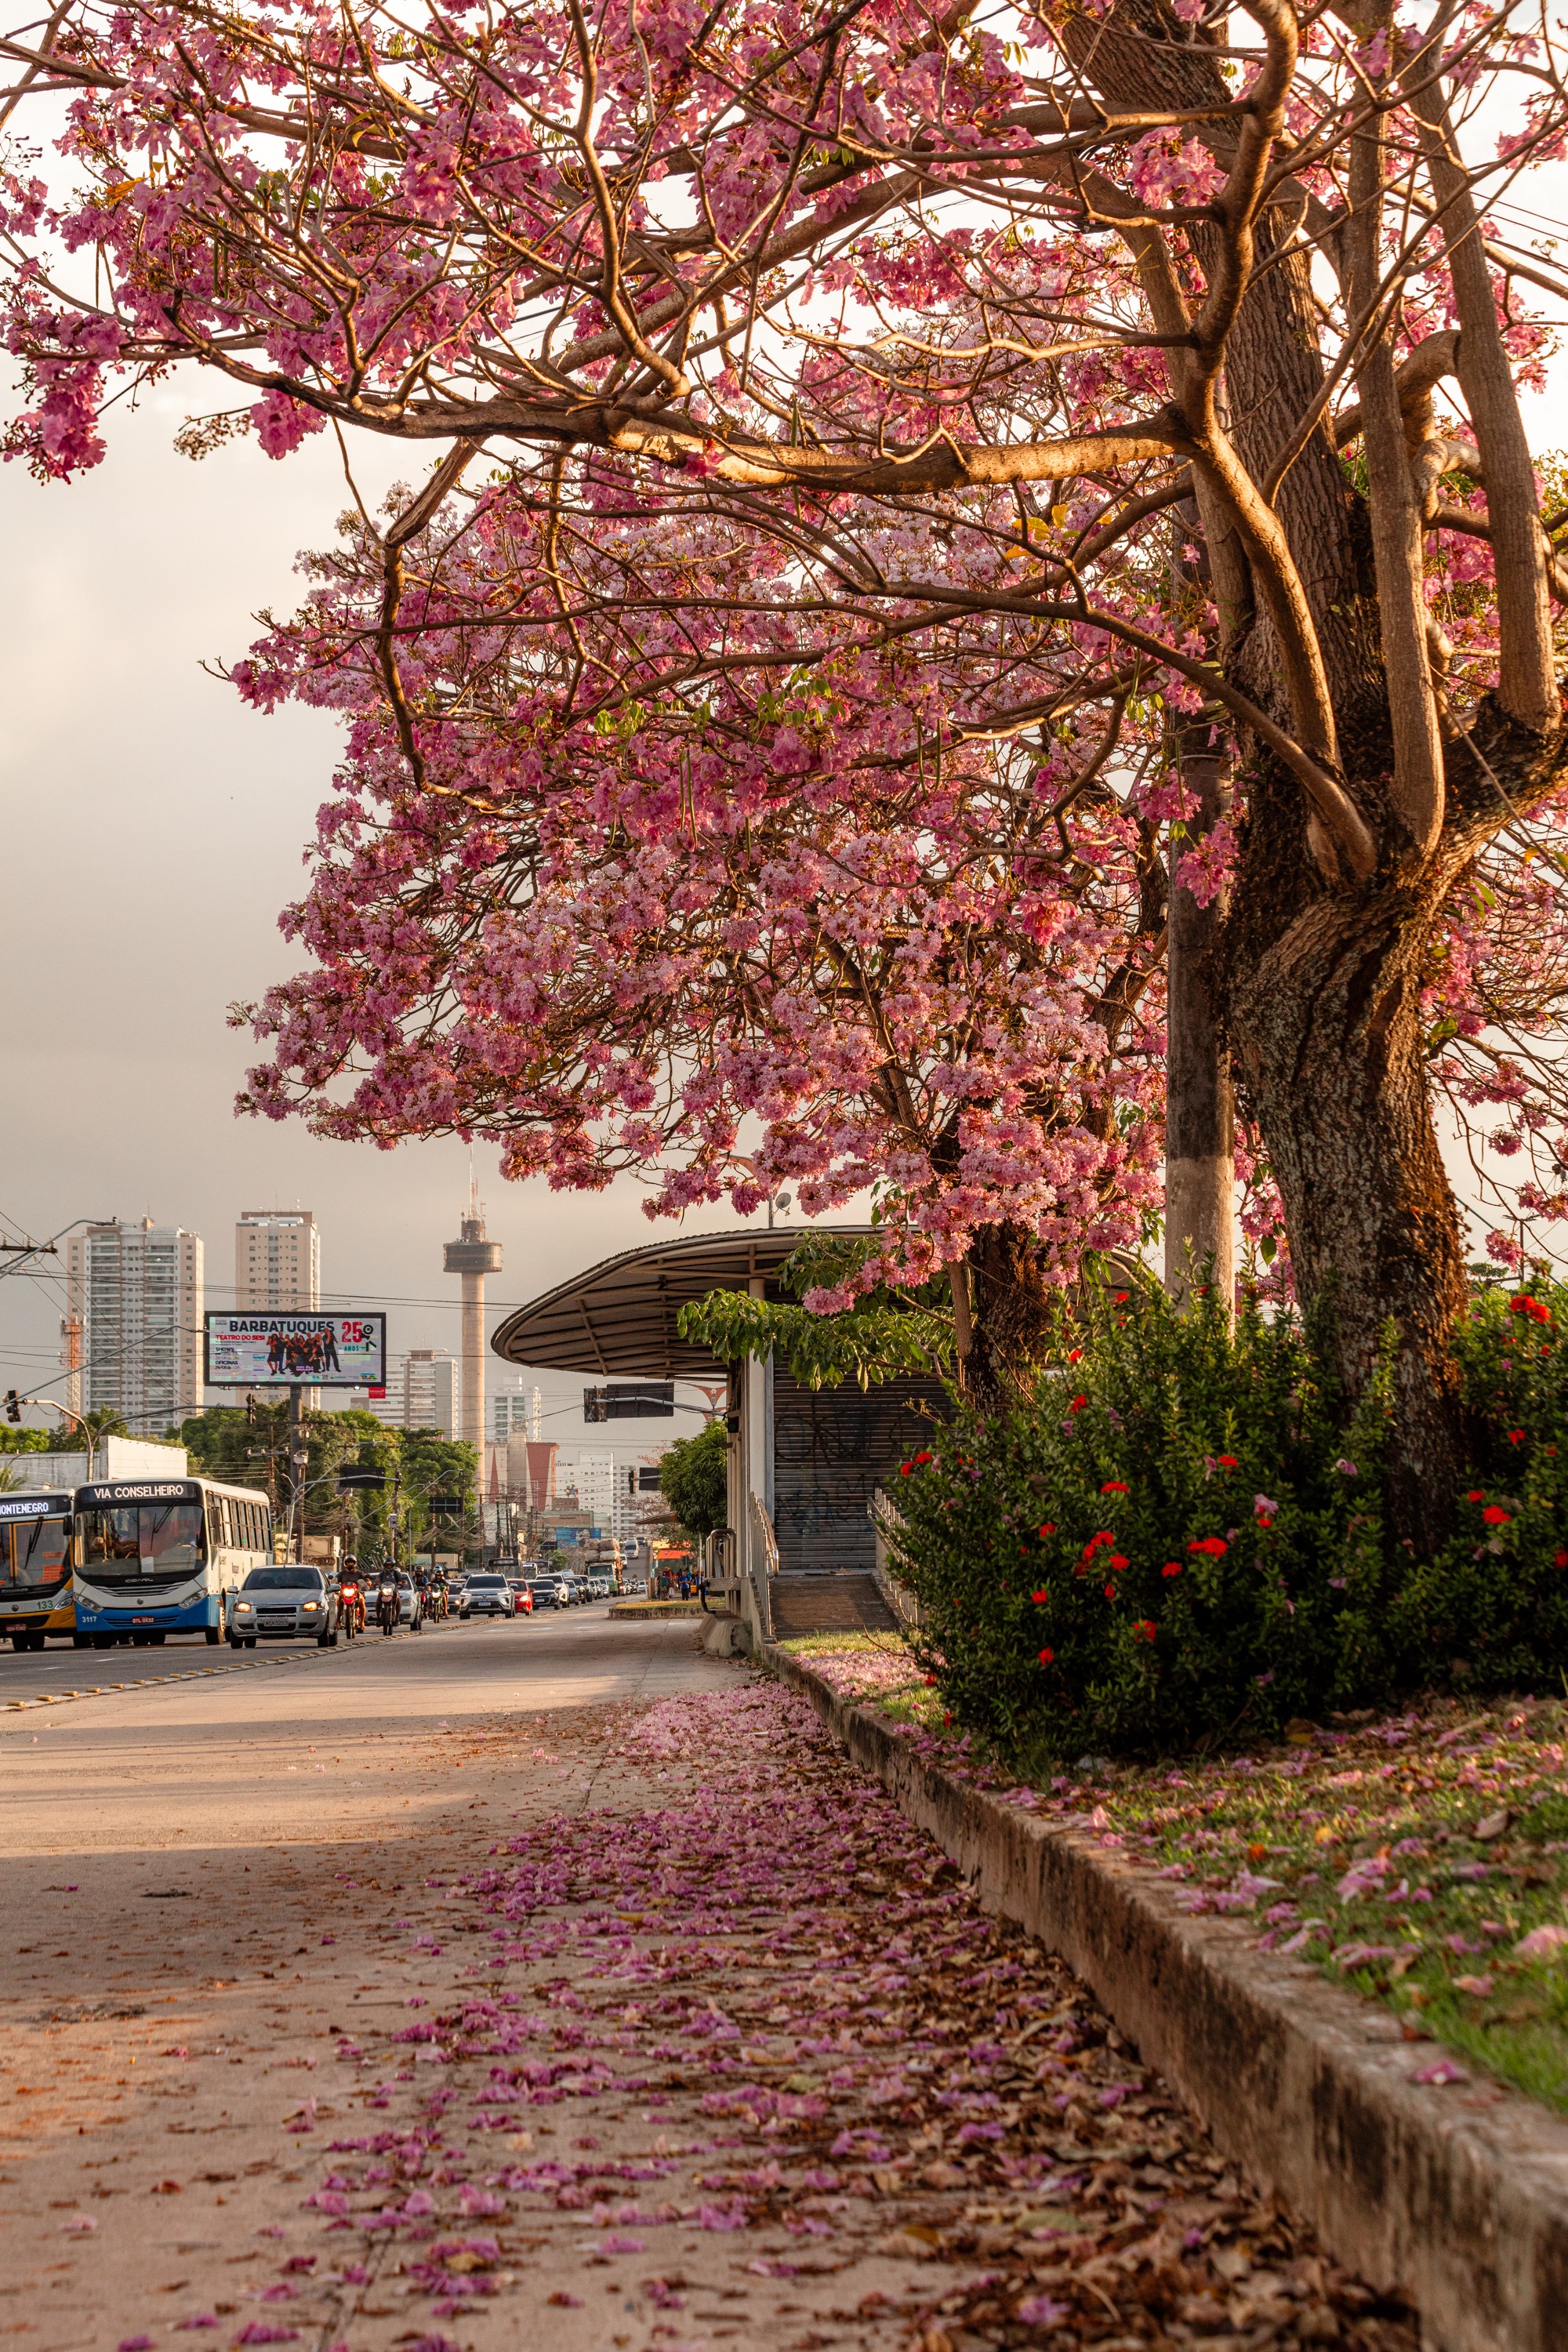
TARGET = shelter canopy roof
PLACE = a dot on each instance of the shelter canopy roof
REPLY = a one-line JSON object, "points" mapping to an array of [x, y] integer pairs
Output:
{"points": [[619, 1317]]}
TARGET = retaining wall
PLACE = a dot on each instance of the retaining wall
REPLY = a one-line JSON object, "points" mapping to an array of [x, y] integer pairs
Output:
{"points": [[1455, 2196]]}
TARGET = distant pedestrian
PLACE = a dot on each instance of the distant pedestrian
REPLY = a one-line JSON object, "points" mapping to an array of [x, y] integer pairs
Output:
{"points": [[702, 1589]]}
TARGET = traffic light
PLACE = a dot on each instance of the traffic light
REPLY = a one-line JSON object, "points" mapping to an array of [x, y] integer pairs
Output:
{"points": [[13, 1405], [250, 1411]]}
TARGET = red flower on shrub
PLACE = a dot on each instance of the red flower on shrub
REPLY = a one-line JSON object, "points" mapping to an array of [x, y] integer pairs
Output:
{"points": [[1121, 1299], [1534, 1308], [1214, 1545], [1077, 1404], [1227, 1461], [931, 1682], [1047, 1657], [1105, 1535], [1075, 1355], [904, 1469], [1561, 1560], [1171, 1568], [1110, 1591], [1049, 1527], [1145, 1630], [1496, 1516], [1119, 1559], [1516, 1437], [1043, 1595], [1115, 1486], [1475, 1496]]}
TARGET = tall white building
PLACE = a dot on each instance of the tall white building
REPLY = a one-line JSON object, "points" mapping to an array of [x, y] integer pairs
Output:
{"points": [[138, 1290], [276, 1262], [421, 1392], [603, 1489], [509, 1410]]}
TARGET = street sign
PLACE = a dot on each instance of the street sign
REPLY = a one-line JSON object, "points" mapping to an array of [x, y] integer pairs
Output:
{"points": [[352, 1480], [281, 1352]]}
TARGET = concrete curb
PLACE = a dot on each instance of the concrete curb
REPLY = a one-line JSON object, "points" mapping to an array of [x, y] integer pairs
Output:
{"points": [[632, 1611], [1455, 2196]]}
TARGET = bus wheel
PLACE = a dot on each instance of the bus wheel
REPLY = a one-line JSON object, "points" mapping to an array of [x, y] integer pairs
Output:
{"points": [[82, 1640], [101, 1641], [157, 1639], [140, 1640]]}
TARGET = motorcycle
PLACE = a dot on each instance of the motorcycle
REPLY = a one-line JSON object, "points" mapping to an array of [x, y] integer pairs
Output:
{"points": [[388, 1605], [350, 1607]]}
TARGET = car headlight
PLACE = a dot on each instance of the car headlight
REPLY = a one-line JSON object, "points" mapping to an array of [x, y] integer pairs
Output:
{"points": [[244, 1608], [307, 1606]]}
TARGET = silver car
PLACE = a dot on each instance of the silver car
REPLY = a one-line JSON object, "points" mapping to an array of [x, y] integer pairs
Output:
{"points": [[487, 1596], [284, 1604]]}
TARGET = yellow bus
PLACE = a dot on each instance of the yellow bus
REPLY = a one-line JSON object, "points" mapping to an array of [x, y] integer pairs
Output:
{"points": [[37, 1596]]}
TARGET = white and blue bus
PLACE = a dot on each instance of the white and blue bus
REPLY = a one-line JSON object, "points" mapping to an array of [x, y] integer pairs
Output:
{"points": [[160, 1555]]}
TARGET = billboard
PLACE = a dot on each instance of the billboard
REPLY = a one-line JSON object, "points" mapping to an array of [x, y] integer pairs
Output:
{"points": [[303, 1351]]}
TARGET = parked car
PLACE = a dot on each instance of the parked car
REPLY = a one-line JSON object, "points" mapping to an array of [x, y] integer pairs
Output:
{"points": [[285, 1603], [487, 1594], [545, 1591], [599, 1587]]}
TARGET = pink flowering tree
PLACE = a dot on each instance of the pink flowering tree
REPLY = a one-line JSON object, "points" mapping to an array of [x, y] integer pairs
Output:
{"points": [[815, 925], [1181, 344]]}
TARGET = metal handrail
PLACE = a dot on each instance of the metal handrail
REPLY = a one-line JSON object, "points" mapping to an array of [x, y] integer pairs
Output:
{"points": [[764, 1528]]}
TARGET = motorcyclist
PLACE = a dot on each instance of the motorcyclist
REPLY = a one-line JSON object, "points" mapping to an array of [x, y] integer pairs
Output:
{"points": [[388, 1599]]}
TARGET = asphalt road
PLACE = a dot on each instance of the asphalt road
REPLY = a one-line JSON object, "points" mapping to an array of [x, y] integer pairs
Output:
{"points": [[60, 1668]]}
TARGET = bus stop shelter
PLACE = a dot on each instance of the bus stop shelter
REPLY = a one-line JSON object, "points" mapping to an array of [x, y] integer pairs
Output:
{"points": [[803, 1464]]}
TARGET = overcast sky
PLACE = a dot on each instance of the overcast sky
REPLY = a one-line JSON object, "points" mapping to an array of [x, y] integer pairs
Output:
{"points": [[153, 827]]}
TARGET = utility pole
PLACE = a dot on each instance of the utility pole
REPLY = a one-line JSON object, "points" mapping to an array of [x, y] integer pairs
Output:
{"points": [[299, 1463]]}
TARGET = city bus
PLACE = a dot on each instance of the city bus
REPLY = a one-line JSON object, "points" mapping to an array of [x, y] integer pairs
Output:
{"points": [[161, 1556], [36, 1565]]}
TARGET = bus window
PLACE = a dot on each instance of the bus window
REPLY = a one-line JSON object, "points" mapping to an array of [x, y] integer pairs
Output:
{"points": [[33, 1552], [165, 1536]]}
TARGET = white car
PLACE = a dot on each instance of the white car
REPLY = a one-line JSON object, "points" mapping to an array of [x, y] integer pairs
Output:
{"points": [[487, 1596], [284, 1604]]}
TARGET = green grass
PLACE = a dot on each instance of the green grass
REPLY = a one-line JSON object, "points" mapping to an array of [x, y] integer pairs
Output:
{"points": [[1357, 1846]]}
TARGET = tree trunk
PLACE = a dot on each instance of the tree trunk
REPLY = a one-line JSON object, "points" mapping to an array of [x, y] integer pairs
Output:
{"points": [[1323, 1012], [1200, 1167], [1014, 1310]]}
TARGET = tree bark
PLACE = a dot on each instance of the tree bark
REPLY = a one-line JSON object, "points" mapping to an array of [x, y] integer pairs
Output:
{"points": [[1200, 1168], [1324, 1013], [1200, 1165]]}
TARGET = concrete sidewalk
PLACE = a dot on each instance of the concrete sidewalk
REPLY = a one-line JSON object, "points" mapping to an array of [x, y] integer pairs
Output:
{"points": [[644, 2022]]}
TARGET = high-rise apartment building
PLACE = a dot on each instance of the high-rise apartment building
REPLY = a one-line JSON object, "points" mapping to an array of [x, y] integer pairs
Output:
{"points": [[138, 1292], [276, 1262], [421, 1392], [602, 1490]]}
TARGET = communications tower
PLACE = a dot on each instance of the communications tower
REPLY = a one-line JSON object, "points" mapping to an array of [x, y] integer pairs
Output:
{"points": [[473, 1257]]}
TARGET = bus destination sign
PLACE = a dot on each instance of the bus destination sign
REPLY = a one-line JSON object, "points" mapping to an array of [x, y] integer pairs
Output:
{"points": [[282, 1352]]}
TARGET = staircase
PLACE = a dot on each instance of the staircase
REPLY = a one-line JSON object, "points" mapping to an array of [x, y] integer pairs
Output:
{"points": [[843, 1600]]}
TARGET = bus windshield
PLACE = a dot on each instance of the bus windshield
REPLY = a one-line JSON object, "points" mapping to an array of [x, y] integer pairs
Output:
{"points": [[33, 1552], [152, 1536]]}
